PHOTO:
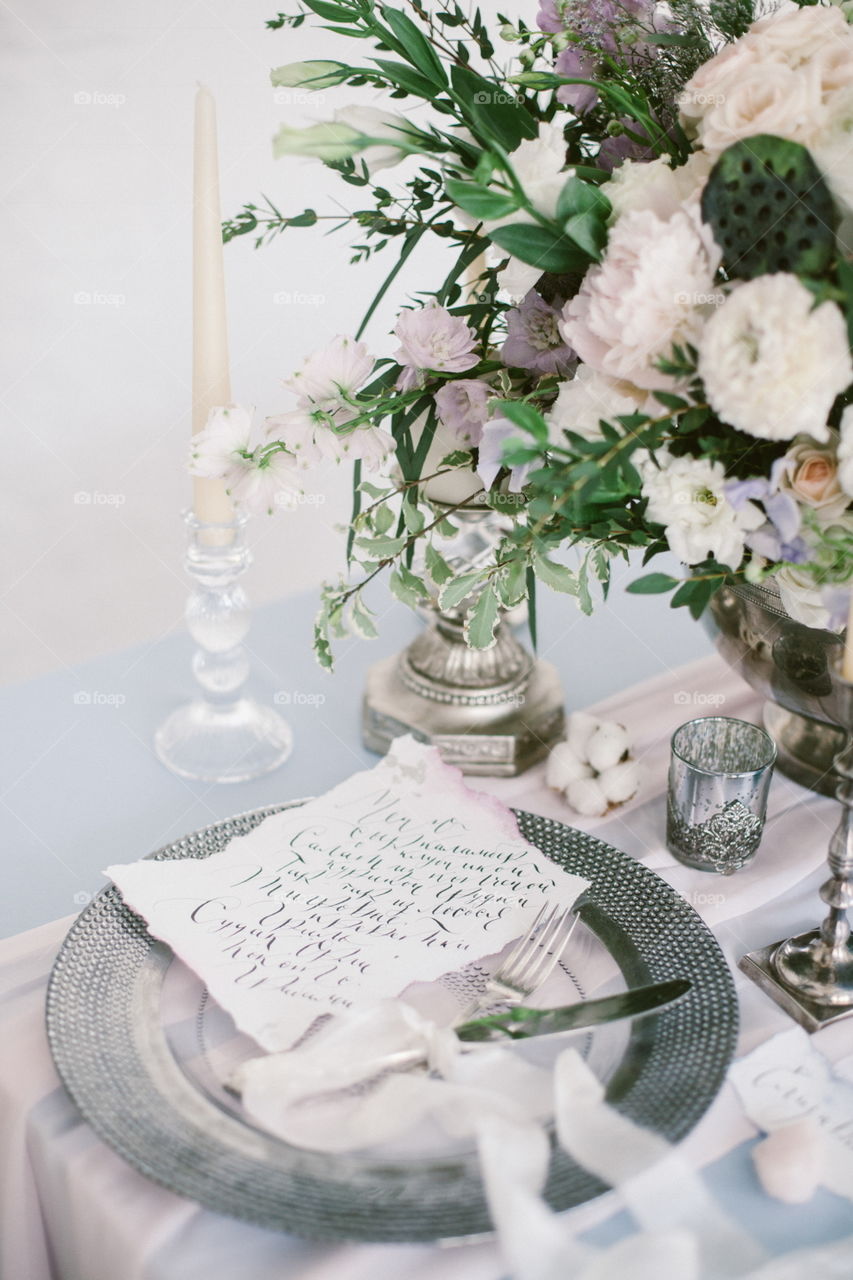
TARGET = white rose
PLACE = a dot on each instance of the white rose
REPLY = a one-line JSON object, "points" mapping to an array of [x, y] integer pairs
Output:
{"points": [[649, 292], [771, 362], [771, 98], [810, 474], [708, 86], [833, 148], [798, 35], [687, 497], [590, 396]]}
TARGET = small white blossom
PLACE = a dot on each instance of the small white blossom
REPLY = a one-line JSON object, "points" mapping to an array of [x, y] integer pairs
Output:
{"points": [[686, 496], [216, 450], [374, 123], [773, 363], [329, 376], [588, 398]]}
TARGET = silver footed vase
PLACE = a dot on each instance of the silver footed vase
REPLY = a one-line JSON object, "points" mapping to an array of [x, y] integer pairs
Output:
{"points": [[489, 711]]}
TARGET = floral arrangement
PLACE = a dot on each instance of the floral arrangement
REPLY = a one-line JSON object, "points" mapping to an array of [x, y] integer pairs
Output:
{"points": [[643, 342]]}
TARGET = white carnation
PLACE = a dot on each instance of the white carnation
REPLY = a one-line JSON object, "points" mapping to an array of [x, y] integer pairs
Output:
{"points": [[686, 496], [587, 398], [650, 291], [771, 362], [655, 186]]}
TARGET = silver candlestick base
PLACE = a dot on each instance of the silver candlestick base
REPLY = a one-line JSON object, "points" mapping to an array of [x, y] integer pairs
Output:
{"points": [[222, 735], [811, 975], [491, 711]]}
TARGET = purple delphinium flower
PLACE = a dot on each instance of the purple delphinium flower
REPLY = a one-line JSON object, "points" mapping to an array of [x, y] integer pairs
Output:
{"points": [[779, 537], [614, 150], [836, 601], [575, 62], [533, 337], [463, 409], [432, 340], [549, 18]]}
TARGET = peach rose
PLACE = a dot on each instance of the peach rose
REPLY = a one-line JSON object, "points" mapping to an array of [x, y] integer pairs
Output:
{"points": [[810, 473]]}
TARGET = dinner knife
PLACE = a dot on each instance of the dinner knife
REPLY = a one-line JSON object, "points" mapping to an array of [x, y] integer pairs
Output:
{"points": [[521, 1023]]}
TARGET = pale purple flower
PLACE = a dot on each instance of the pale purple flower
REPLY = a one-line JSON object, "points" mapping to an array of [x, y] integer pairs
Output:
{"points": [[577, 62], [836, 601], [310, 437], [373, 446], [496, 433], [549, 18], [463, 409], [779, 537], [331, 375], [432, 340], [533, 338], [263, 486]]}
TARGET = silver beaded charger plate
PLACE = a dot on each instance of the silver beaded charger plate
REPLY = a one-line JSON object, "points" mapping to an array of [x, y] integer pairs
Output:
{"points": [[132, 1081]]}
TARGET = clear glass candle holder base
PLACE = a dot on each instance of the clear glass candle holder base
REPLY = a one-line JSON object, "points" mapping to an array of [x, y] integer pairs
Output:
{"points": [[223, 744]]}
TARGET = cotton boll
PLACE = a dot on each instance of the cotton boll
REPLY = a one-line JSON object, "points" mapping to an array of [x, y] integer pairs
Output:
{"points": [[621, 782], [607, 745], [564, 765], [586, 797], [579, 730], [789, 1162]]}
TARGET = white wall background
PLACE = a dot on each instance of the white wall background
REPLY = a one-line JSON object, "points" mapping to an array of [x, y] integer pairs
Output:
{"points": [[95, 176]]}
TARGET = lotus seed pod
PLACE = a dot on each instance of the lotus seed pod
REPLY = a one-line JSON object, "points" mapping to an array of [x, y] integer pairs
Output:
{"points": [[607, 745], [621, 782], [579, 730], [586, 797], [790, 1161], [564, 765]]}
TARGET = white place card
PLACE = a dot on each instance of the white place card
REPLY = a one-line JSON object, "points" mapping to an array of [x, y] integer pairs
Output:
{"points": [[399, 874]]}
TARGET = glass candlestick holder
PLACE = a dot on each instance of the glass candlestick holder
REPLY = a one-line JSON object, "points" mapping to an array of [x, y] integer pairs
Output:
{"points": [[811, 975], [222, 735]]}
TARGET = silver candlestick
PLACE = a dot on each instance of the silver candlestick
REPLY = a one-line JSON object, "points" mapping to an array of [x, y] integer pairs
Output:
{"points": [[811, 975], [489, 711], [222, 735]]}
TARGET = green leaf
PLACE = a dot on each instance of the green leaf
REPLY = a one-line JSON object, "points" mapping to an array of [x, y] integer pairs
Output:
{"points": [[455, 591], [408, 587], [459, 458], [557, 576], [309, 75], [512, 583], [361, 619], [540, 247], [588, 232], [383, 519], [492, 108], [845, 279], [584, 596], [579, 197], [652, 584], [331, 12], [480, 202], [413, 517], [437, 567], [670, 401], [526, 417], [405, 77], [381, 547], [532, 624], [415, 45], [482, 619]]}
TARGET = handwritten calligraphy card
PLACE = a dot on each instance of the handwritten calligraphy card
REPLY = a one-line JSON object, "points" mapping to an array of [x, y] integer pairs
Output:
{"points": [[399, 874]]}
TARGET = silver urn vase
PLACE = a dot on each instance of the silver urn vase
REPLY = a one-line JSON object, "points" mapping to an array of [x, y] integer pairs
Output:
{"points": [[489, 711], [789, 664]]}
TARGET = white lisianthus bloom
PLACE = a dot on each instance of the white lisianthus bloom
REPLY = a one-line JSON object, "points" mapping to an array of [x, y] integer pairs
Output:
{"points": [[687, 497], [833, 147], [773, 363], [651, 290], [708, 86], [772, 98], [540, 166], [845, 451], [653, 185], [330, 375], [798, 35], [374, 123], [216, 451], [590, 396]]}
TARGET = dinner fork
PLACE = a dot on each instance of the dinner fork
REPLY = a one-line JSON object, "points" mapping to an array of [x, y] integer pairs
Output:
{"points": [[531, 961]]}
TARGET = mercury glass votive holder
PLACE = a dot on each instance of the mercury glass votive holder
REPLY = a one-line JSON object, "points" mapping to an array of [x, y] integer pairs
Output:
{"points": [[719, 777]]}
